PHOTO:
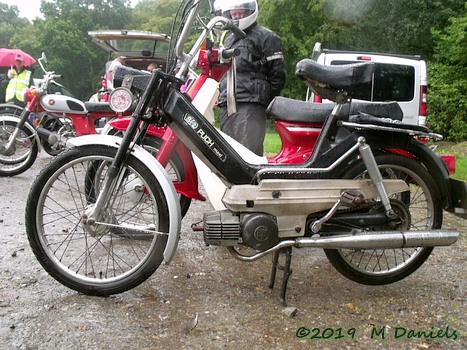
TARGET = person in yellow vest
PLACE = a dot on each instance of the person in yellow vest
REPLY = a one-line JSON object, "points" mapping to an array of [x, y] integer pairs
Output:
{"points": [[20, 79]]}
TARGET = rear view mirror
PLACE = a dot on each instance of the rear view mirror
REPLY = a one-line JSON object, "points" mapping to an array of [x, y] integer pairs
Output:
{"points": [[316, 51]]}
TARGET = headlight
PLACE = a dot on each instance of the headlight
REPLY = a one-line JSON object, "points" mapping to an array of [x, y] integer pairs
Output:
{"points": [[120, 99]]}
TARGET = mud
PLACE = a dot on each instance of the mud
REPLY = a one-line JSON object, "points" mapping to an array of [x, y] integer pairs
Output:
{"points": [[206, 299]]}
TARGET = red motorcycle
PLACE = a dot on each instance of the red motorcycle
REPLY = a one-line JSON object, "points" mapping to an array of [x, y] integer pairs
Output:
{"points": [[48, 120], [298, 123]]}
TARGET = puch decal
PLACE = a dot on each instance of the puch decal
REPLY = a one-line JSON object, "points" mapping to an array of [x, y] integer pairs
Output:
{"points": [[190, 120]]}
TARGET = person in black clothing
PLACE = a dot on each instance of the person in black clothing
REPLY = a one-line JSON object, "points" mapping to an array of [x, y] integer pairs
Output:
{"points": [[257, 75]]}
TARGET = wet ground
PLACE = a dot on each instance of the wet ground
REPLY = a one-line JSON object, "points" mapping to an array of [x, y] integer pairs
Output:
{"points": [[206, 299]]}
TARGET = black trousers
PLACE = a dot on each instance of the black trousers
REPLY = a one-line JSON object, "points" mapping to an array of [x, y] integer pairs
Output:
{"points": [[247, 126]]}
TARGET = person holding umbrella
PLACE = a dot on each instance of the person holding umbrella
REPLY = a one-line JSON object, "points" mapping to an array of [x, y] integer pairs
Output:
{"points": [[20, 78]]}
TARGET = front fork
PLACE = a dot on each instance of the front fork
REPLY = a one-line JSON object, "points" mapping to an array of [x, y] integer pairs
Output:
{"points": [[9, 147], [134, 134]]}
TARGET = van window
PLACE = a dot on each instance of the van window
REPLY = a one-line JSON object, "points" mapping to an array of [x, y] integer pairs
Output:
{"points": [[391, 82]]}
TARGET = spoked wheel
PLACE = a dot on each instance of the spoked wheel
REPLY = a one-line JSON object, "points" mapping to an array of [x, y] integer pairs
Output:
{"points": [[117, 251], [418, 209], [21, 156], [174, 168]]}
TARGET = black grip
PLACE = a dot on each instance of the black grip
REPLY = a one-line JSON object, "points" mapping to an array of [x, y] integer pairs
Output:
{"points": [[229, 53], [235, 30]]}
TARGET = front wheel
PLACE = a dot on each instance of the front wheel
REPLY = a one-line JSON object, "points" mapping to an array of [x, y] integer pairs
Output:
{"points": [[420, 209], [125, 243], [22, 154]]}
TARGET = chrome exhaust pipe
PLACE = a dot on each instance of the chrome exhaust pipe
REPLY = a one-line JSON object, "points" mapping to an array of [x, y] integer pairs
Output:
{"points": [[383, 240], [380, 240]]}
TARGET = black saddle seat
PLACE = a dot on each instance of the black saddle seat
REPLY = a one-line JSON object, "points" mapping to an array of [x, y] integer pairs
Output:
{"points": [[98, 107], [287, 109], [326, 81]]}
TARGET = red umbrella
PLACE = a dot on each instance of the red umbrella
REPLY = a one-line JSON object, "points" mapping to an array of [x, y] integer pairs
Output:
{"points": [[8, 56]]}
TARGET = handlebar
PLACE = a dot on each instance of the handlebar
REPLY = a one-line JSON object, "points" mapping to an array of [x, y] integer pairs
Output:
{"points": [[235, 30], [219, 22], [229, 53]]}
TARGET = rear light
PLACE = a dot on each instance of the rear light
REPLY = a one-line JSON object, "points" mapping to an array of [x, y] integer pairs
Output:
{"points": [[422, 110], [450, 161], [364, 58], [317, 99]]}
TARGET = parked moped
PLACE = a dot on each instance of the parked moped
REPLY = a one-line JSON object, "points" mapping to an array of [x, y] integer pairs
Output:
{"points": [[48, 120], [376, 213], [298, 124]]}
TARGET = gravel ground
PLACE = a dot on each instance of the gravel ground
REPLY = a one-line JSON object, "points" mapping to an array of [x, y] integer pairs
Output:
{"points": [[206, 299]]}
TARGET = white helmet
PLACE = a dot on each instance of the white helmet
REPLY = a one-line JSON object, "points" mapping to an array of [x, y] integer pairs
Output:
{"points": [[250, 15], [217, 6]]}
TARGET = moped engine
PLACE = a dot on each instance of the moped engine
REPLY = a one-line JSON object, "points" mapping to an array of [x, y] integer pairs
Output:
{"points": [[255, 230]]}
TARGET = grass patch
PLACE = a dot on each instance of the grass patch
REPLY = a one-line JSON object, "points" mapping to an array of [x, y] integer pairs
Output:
{"points": [[272, 143]]}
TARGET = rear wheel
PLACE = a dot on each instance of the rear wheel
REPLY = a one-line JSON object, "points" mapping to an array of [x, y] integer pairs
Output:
{"points": [[125, 244], [419, 209], [23, 153]]}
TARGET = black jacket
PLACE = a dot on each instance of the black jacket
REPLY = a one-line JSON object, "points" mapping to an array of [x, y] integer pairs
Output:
{"points": [[260, 70]]}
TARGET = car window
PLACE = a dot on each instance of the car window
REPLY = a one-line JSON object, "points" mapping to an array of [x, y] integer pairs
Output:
{"points": [[138, 47], [391, 82]]}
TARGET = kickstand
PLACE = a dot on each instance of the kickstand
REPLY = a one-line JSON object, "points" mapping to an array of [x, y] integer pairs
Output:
{"points": [[286, 268]]}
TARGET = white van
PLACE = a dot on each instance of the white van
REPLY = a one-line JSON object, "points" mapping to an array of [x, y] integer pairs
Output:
{"points": [[400, 78]]}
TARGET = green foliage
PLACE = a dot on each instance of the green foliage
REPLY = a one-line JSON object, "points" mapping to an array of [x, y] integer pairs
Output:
{"points": [[447, 105], [155, 16], [10, 24]]}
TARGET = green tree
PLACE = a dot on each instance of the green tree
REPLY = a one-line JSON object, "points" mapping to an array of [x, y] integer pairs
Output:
{"points": [[62, 35], [10, 23], [447, 105], [298, 24], [154, 15]]}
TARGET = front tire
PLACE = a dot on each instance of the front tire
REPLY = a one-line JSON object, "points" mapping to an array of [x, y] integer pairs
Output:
{"points": [[126, 243], [384, 266]]}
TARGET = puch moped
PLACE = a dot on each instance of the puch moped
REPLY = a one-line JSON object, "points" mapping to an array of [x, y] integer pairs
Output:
{"points": [[376, 214]]}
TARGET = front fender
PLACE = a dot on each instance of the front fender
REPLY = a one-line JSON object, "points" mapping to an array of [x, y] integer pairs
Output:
{"points": [[158, 171]]}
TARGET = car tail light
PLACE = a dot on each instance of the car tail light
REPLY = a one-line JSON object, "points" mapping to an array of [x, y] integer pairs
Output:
{"points": [[317, 99], [422, 110]]}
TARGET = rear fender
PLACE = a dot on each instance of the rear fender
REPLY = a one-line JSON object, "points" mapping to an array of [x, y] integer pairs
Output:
{"points": [[158, 171], [407, 146]]}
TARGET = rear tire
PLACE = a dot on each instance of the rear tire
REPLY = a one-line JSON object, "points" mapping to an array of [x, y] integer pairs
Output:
{"points": [[118, 252], [384, 266]]}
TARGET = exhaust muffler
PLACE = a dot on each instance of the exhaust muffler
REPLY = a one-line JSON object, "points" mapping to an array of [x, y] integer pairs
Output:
{"points": [[379, 240]]}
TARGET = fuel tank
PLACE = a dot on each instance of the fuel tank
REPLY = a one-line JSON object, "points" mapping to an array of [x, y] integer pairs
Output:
{"points": [[62, 104]]}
